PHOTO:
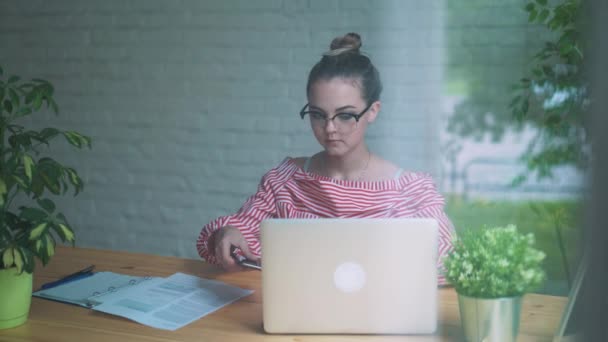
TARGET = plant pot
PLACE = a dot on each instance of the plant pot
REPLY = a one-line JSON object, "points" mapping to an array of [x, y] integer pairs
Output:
{"points": [[490, 320], [15, 296]]}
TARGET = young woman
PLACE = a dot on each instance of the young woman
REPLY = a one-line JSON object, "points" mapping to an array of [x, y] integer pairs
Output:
{"points": [[345, 179]]}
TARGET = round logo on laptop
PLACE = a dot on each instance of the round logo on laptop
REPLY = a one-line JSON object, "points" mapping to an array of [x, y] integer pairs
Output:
{"points": [[349, 277]]}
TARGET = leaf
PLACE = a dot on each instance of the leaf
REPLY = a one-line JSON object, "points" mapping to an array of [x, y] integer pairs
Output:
{"points": [[74, 179], [47, 204], [67, 231], [42, 253], [37, 100], [23, 111], [517, 181], [8, 106], [50, 245], [2, 191], [64, 186], [22, 140], [543, 15], [51, 183], [54, 106], [28, 163], [579, 53], [552, 120], [72, 139], [7, 257], [20, 181], [62, 217], [15, 128], [532, 15], [29, 263], [18, 259], [77, 139], [47, 89], [37, 186], [32, 214], [29, 97], [529, 7], [14, 97], [542, 2], [50, 172], [565, 49], [48, 133], [525, 106], [515, 101], [37, 232]]}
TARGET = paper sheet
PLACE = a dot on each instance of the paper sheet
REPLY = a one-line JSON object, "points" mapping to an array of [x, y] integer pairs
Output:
{"points": [[170, 303]]}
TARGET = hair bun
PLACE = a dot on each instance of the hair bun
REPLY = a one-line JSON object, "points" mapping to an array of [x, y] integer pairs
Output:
{"points": [[348, 42]]}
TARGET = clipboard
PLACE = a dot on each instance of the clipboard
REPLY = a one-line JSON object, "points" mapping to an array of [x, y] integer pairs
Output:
{"points": [[88, 292]]}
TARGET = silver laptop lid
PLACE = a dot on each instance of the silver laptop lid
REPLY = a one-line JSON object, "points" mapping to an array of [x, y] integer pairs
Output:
{"points": [[350, 275]]}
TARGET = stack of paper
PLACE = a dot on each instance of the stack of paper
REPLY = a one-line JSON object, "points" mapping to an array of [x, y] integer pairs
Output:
{"points": [[165, 303]]}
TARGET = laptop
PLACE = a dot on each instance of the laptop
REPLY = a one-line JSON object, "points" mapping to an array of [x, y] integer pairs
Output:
{"points": [[349, 276]]}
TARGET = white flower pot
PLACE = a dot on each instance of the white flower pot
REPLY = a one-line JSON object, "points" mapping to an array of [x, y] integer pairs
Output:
{"points": [[490, 320]]}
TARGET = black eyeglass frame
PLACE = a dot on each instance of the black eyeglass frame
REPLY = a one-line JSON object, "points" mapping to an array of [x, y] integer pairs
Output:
{"points": [[303, 113]]}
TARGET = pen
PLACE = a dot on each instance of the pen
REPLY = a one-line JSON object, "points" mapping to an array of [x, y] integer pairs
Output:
{"points": [[85, 272], [243, 261]]}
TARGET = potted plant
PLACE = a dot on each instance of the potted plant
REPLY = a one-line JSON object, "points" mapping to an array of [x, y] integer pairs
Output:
{"points": [[491, 269], [29, 222]]}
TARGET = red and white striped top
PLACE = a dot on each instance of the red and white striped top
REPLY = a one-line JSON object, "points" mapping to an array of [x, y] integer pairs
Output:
{"points": [[287, 191]]}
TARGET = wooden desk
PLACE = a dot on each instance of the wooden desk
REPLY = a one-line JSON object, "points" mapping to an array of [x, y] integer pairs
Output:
{"points": [[240, 321]]}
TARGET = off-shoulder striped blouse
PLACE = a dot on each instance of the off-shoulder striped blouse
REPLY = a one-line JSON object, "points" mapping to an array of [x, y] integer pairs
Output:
{"points": [[288, 191]]}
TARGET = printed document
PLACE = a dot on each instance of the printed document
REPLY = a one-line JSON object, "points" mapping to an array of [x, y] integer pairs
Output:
{"points": [[170, 303], [165, 303]]}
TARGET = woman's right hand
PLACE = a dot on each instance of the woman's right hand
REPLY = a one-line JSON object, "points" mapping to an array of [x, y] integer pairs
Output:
{"points": [[225, 238]]}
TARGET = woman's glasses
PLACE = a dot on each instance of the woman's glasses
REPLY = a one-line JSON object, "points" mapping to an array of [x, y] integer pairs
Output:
{"points": [[343, 122]]}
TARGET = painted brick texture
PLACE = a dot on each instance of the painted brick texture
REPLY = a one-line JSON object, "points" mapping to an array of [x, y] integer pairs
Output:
{"points": [[189, 102]]}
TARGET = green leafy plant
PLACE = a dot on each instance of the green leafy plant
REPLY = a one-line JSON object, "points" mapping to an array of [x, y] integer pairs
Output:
{"points": [[494, 262], [29, 232]]}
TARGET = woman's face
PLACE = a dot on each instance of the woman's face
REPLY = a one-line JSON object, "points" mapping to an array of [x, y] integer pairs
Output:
{"points": [[339, 98]]}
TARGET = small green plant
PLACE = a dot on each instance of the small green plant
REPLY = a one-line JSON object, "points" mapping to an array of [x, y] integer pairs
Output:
{"points": [[494, 262], [27, 173]]}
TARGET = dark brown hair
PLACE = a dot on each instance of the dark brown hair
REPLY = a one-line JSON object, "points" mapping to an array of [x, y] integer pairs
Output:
{"points": [[344, 60]]}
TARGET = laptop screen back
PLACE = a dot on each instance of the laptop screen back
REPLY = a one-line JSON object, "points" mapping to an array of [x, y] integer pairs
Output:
{"points": [[350, 275]]}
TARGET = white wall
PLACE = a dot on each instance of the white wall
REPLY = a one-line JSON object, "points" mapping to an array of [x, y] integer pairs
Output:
{"points": [[189, 102]]}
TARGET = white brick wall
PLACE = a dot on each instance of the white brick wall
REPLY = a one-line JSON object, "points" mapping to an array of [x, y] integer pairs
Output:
{"points": [[189, 102]]}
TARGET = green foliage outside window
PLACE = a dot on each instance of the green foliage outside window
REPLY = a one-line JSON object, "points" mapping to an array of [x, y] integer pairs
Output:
{"points": [[555, 97], [552, 97]]}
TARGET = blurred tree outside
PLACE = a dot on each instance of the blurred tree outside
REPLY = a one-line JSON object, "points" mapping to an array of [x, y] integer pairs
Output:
{"points": [[554, 97], [551, 97], [518, 66]]}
